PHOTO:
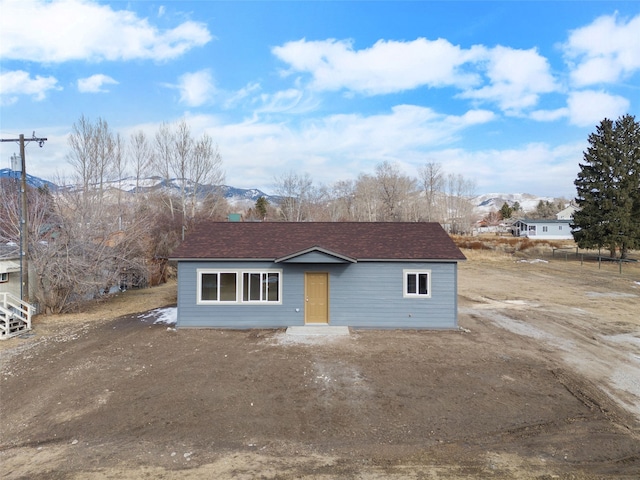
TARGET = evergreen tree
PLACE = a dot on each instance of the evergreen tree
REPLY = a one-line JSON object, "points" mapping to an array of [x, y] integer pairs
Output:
{"points": [[261, 207], [608, 188], [506, 211]]}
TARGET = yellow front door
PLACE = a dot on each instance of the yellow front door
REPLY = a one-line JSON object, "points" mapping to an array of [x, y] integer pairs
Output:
{"points": [[316, 292]]}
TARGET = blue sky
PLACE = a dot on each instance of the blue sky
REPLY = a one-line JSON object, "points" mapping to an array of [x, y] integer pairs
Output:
{"points": [[504, 93]]}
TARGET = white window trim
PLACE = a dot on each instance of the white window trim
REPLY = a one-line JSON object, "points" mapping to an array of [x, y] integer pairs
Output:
{"points": [[405, 274], [265, 271], [4, 277], [199, 299], [239, 286]]}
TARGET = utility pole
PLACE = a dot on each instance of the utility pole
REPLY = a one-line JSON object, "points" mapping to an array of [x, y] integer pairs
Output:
{"points": [[24, 215]]}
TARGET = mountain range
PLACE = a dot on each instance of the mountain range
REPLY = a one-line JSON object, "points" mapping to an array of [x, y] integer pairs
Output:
{"points": [[483, 204], [130, 185]]}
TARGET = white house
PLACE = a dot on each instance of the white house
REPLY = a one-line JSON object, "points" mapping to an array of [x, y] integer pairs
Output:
{"points": [[566, 213], [543, 229], [10, 270]]}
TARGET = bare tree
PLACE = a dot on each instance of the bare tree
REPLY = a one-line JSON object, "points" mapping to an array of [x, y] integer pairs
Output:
{"points": [[120, 166], [10, 211], [432, 181], [141, 156], [82, 151], [94, 152], [366, 200], [193, 163], [107, 148], [294, 191], [342, 201], [394, 190], [205, 168], [162, 159], [459, 209], [181, 161]]}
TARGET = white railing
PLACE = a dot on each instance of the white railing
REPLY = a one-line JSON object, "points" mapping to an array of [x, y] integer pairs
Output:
{"points": [[15, 316]]}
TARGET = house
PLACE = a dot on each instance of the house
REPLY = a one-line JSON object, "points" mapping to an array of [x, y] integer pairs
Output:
{"points": [[281, 274], [543, 229], [10, 270], [567, 212], [15, 315]]}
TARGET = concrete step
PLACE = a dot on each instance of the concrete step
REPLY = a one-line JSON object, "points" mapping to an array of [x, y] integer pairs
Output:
{"points": [[317, 330]]}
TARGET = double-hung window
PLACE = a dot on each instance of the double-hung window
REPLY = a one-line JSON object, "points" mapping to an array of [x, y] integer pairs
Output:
{"points": [[417, 283], [239, 286]]}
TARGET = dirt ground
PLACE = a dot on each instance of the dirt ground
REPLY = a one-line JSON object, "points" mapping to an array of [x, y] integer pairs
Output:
{"points": [[541, 381]]}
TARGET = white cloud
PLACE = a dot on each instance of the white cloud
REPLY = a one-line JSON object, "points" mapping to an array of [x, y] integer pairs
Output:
{"points": [[386, 67], [334, 147], [339, 147], [66, 30], [516, 79], [196, 88], [19, 82], [94, 83], [291, 101], [549, 115], [588, 107], [513, 79], [536, 168], [605, 51]]}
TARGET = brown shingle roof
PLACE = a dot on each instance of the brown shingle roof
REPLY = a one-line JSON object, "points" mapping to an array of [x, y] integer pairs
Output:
{"points": [[357, 240]]}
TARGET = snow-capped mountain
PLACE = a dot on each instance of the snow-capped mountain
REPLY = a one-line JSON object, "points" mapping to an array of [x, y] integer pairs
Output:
{"points": [[130, 185], [484, 204], [492, 202], [35, 182]]}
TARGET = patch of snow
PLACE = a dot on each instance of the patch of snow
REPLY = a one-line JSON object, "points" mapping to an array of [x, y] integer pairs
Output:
{"points": [[610, 295], [162, 316], [537, 260]]}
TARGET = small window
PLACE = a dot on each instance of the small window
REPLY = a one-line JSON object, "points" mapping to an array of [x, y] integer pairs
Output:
{"points": [[559, 227], [417, 283], [544, 229], [4, 277]]}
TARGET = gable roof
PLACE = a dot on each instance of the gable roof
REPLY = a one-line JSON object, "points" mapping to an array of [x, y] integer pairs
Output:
{"points": [[539, 221], [348, 240]]}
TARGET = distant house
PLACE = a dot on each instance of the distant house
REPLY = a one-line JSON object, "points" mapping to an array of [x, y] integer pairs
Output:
{"points": [[566, 213], [280, 274], [15, 314], [543, 229], [10, 270]]}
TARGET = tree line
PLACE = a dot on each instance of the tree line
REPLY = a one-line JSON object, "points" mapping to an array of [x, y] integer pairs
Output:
{"points": [[387, 195], [88, 238]]}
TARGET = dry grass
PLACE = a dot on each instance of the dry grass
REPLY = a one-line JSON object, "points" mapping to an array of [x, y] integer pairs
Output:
{"points": [[508, 244]]}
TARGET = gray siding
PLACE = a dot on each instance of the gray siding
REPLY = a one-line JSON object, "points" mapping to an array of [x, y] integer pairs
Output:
{"points": [[361, 295]]}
